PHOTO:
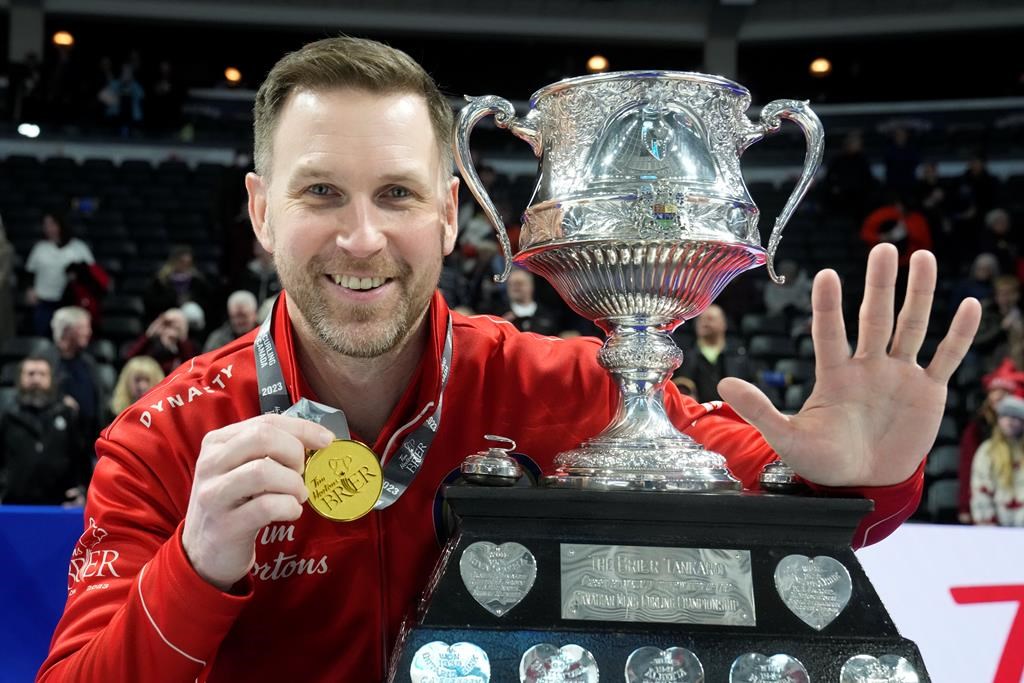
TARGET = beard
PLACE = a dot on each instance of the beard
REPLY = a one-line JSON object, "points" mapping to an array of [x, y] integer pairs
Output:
{"points": [[36, 397], [359, 330]]}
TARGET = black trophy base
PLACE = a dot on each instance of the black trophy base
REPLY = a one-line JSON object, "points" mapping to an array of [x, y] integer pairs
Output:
{"points": [[602, 526]]}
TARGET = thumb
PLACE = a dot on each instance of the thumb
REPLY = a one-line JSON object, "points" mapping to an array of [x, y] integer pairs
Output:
{"points": [[754, 407]]}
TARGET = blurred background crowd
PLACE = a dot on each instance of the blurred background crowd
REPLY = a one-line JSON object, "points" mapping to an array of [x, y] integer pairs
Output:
{"points": [[126, 248]]}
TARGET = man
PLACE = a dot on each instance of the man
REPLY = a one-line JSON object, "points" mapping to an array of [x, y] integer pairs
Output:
{"points": [[710, 360], [42, 459], [242, 308], [166, 341], [77, 374], [524, 311], [221, 572]]}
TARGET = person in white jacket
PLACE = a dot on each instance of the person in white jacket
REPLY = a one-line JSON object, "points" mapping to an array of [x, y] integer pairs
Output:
{"points": [[997, 475]]}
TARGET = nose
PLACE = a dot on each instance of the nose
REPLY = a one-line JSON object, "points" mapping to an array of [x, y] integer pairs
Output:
{"points": [[361, 234]]}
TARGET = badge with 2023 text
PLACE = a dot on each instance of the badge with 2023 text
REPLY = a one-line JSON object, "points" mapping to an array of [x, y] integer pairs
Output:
{"points": [[344, 480]]}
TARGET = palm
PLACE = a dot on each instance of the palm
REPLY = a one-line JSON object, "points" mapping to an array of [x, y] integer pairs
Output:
{"points": [[872, 417]]}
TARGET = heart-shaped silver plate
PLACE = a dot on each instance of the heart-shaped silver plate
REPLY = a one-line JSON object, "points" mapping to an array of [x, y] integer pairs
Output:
{"points": [[546, 663], [754, 667], [654, 665], [438, 662], [884, 669], [497, 576], [815, 590]]}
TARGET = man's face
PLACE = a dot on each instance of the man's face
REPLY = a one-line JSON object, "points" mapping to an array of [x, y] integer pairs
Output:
{"points": [[520, 287], [711, 323], [78, 335], [1006, 296], [35, 377], [242, 317], [358, 215]]}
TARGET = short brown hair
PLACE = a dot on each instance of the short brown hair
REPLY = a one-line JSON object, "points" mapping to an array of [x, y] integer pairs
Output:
{"points": [[345, 62]]}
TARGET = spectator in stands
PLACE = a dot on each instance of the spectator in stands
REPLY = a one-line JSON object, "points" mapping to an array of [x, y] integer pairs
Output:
{"points": [[997, 475], [43, 460], [849, 183], [711, 359], [166, 341], [901, 161], [978, 283], [77, 372], [908, 230], [177, 281], [975, 190], [1000, 239], [1001, 332], [931, 199], [261, 275], [242, 310], [48, 263], [195, 316], [139, 375], [123, 97], [1006, 380], [523, 310], [8, 323]]}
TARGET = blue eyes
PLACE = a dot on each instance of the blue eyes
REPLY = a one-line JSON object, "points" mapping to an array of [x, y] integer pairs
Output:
{"points": [[323, 191]]}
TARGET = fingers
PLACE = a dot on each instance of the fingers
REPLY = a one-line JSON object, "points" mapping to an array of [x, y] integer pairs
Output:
{"points": [[754, 407], [912, 324], [283, 438], [955, 344], [258, 477], [876, 311], [267, 509], [828, 330]]}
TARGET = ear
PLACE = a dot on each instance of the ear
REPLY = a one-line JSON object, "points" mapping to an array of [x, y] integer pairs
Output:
{"points": [[257, 188], [451, 217]]}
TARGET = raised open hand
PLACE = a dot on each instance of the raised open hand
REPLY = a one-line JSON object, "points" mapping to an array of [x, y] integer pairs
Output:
{"points": [[872, 417]]}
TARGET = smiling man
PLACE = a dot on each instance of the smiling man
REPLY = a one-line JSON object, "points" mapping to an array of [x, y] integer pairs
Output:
{"points": [[214, 566]]}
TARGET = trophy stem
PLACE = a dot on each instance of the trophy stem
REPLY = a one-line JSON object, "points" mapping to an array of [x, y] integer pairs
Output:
{"points": [[641, 448]]}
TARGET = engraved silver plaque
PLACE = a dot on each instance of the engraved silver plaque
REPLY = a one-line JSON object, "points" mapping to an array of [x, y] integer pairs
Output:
{"points": [[654, 665], [884, 669], [754, 667], [546, 663], [439, 662], [815, 590], [650, 584], [498, 576]]}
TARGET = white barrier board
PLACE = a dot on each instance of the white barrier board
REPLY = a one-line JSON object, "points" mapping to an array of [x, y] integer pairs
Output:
{"points": [[958, 592]]}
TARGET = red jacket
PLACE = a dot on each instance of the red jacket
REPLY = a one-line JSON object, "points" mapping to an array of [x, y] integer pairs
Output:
{"points": [[325, 600]]}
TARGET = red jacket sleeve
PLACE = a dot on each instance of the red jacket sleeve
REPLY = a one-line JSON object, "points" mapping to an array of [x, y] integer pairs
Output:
{"points": [[718, 427], [135, 604]]}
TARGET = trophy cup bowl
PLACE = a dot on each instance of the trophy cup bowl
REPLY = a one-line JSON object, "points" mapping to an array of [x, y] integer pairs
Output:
{"points": [[640, 217]]}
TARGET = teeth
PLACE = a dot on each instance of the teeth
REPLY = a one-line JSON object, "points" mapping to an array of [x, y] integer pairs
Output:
{"points": [[358, 283]]}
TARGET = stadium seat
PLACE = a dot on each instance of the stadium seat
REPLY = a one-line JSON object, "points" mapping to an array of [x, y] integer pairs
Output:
{"points": [[771, 348], [943, 500], [943, 462]]}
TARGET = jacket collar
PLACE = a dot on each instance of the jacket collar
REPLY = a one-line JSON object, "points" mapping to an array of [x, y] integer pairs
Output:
{"points": [[421, 395]]}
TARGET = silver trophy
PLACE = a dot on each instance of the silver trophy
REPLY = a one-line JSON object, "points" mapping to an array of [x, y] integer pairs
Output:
{"points": [[639, 219]]}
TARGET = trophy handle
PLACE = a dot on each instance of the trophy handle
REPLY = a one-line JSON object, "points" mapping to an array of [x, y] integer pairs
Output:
{"points": [[504, 117], [771, 120]]}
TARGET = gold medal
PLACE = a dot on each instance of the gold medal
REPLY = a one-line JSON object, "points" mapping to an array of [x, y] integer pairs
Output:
{"points": [[344, 480]]}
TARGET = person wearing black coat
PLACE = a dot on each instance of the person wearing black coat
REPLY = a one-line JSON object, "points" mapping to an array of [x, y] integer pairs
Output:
{"points": [[43, 460]]}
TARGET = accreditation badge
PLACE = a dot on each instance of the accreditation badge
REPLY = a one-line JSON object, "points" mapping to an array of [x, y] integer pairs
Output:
{"points": [[344, 480]]}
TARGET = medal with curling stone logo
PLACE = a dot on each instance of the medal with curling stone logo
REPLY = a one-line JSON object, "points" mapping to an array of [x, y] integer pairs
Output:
{"points": [[344, 480]]}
